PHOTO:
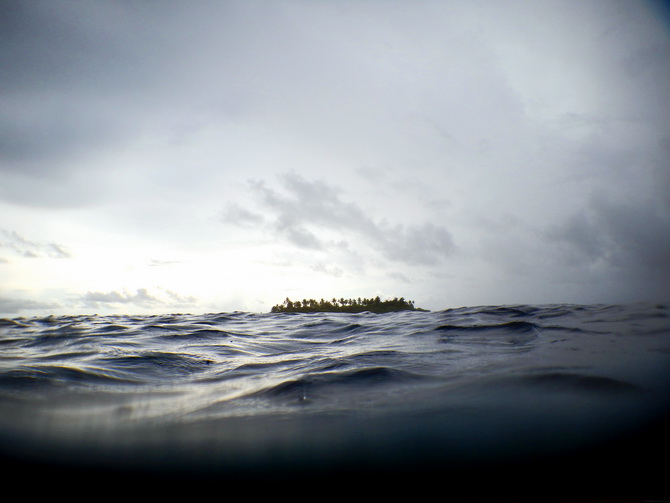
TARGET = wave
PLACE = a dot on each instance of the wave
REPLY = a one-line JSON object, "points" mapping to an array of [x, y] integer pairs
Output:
{"points": [[46, 376], [454, 381], [340, 386], [159, 364]]}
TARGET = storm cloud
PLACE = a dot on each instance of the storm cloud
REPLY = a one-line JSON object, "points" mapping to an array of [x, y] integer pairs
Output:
{"points": [[629, 240]]}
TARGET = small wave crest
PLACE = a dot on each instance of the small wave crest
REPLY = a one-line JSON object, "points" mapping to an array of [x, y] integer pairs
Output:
{"points": [[158, 365], [45, 377], [333, 384]]}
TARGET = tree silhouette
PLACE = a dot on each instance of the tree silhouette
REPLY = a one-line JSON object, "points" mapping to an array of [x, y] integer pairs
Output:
{"points": [[375, 305]]}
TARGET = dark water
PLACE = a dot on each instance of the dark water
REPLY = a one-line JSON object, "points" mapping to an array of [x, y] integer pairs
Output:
{"points": [[556, 394]]}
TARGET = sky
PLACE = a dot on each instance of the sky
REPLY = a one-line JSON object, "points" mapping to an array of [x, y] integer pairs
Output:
{"points": [[208, 156]]}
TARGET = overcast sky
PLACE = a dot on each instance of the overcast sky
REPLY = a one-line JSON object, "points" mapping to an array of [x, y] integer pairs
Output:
{"points": [[206, 156]]}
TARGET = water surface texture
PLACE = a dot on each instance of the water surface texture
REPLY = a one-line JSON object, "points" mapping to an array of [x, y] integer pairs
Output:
{"points": [[469, 388]]}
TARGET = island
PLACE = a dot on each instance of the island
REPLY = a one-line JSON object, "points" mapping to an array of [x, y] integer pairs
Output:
{"points": [[342, 305]]}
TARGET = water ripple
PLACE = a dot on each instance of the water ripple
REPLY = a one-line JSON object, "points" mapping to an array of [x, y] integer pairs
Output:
{"points": [[182, 369]]}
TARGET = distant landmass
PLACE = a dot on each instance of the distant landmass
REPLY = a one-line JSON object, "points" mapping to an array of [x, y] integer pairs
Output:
{"points": [[375, 305]]}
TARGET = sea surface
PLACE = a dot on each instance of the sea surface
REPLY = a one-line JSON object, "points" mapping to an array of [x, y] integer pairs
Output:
{"points": [[487, 393]]}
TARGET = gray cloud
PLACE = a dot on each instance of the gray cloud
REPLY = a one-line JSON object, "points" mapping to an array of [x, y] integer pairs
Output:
{"points": [[237, 215], [19, 245], [81, 82], [142, 297], [15, 305], [308, 211], [625, 241], [56, 81], [637, 233], [327, 269]]}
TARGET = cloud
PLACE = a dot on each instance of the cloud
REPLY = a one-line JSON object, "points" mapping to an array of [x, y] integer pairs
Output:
{"points": [[50, 109], [19, 245], [327, 269], [237, 215], [141, 298], [15, 305], [83, 84], [313, 215], [621, 234], [627, 241]]}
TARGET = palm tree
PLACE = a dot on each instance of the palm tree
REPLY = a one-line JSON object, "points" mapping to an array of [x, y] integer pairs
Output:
{"points": [[345, 305]]}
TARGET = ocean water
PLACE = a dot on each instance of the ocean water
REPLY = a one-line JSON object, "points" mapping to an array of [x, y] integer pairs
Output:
{"points": [[496, 394]]}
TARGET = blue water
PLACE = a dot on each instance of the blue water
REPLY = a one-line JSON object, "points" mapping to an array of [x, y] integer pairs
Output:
{"points": [[469, 389]]}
